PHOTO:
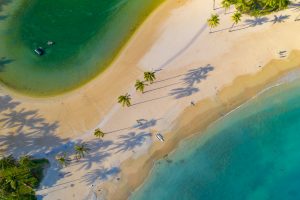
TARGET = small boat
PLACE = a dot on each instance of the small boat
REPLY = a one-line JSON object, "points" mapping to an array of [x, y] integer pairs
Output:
{"points": [[39, 51], [50, 43], [160, 137]]}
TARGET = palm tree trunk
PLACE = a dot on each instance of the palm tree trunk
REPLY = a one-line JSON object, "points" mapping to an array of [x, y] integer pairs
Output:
{"points": [[214, 6], [231, 27], [297, 18]]}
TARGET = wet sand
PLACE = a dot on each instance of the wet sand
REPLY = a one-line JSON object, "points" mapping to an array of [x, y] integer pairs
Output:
{"points": [[196, 119], [174, 40]]}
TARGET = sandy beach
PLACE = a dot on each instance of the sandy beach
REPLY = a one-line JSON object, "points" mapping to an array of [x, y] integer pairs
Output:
{"points": [[218, 71]]}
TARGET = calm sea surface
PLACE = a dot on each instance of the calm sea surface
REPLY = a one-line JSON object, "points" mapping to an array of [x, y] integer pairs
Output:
{"points": [[87, 34], [251, 154]]}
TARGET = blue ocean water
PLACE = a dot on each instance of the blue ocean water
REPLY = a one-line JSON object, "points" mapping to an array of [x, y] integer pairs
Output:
{"points": [[252, 153]]}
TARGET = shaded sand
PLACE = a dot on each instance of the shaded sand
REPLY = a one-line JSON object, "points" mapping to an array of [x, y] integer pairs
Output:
{"points": [[195, 119], [97, 98], [82, 50], [192, 65]]}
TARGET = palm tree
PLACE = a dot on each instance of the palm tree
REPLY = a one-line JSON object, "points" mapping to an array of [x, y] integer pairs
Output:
{"points": [[269, 3], [25, 161], [12, 180], [283, 4], [124, 100], [63, 160], [149, 76], [98, 133], [17, 177], [297, 18], [140, 85], [226, 5], [213, 21], [6, 162], [81, 150], [236, 18]]}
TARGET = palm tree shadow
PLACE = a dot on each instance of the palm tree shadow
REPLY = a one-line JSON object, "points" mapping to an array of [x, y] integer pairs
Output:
{"points": [[7, 103], [26, 131], [146, 124], [11, 142], [21, 118], [130, 141], [91, 159], [100, 174], [183, 92], [252, 23], [280, 19], [98, 147], [4, 61], [257, 21], [295, 6], [194, 76], [197, 75]]}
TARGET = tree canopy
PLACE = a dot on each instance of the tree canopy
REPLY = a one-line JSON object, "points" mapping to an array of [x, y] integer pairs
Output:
{"points": [[18, 178], [259, 7]]}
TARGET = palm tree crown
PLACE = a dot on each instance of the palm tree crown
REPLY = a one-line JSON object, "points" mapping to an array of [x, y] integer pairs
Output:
{"points": [[98, 133], [124, 100], [63, 160], [149, 76], [236, 18], [139, 85], [213, 21], [226, 4], [81, 150]]}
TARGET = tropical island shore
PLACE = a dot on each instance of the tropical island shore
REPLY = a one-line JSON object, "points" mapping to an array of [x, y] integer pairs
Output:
{"points": [[219, 71]]}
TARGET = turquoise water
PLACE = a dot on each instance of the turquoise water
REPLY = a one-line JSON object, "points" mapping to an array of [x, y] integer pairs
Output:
{"points": [[87, 34], [253, 153]]}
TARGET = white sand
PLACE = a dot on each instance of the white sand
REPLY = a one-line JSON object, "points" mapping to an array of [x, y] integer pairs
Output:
{"points": [[174, 40]]}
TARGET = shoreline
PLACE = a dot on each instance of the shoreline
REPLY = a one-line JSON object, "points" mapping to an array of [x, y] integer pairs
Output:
{"points": [[104, 65], [78, 99], [230, 98], [224, 55]]}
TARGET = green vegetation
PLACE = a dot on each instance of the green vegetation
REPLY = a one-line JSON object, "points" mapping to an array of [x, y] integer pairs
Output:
{"points": [[226, 5], [63, 160], [149, 76], [213, 21], [124, 100], [98, 133], [258, 7], [81, 150], [18, 178], [236, 18], [140, 86]]}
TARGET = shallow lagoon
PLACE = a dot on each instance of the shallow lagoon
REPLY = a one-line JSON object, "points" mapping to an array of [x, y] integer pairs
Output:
{"points": [[253, 153], [87, 34]]}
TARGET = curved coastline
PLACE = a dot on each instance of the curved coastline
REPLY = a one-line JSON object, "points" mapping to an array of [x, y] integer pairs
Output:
{"points": [[228, 99], [97, 61], [79, 112]]}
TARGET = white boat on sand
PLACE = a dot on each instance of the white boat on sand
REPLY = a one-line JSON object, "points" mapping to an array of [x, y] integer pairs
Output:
{"points": [[160, 137]]}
